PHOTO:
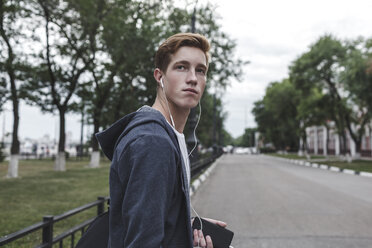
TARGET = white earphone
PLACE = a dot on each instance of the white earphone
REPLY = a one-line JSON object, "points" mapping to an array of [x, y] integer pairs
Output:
{"points": [[166, 100]]}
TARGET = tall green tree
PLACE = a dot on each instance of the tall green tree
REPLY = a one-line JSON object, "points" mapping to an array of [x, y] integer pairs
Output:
{"points": [[357, 81], [116, 80], [314, 109], [100, 77], [224, 67], [320, 67], [207, 131], [276, 113], [57, 76], [248, 138], [135, 83], [224, 64]]}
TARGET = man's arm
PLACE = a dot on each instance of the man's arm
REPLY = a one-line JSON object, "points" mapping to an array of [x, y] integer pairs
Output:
{"points": [[153, 172]]}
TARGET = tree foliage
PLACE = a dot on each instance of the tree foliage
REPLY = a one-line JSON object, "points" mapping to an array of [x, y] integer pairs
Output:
{"points": [[248, 138], [332, 82], [276, 115], [56, 77], [331, 66], [124, 80], [97, 56]]}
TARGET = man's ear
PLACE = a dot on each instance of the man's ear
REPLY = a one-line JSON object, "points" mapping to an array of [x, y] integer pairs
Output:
{"points": [[158, 74]]}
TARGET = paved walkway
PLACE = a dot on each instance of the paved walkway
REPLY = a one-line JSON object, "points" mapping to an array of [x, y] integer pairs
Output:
{"points": [[271, 203]]}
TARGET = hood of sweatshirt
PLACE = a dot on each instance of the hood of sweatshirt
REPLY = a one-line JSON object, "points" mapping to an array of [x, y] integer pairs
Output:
{"points": [[110, 137]]}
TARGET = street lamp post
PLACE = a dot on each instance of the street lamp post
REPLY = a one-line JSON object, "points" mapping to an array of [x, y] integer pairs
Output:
{"points": [[81, 150], [214, 125]]}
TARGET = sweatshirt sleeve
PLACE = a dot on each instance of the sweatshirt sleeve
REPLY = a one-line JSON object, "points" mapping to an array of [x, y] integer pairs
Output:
{"points": [[147, 196]]}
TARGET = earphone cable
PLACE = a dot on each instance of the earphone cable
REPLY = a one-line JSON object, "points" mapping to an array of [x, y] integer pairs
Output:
{"points": [[197, 123], [197, 216], [166, 100]]}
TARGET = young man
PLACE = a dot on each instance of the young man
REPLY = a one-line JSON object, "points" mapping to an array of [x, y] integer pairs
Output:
{"points": [[150, 170]]}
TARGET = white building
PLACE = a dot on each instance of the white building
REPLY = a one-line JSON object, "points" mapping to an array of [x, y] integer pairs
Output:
{"points": [[44, 147], [317, 142]]}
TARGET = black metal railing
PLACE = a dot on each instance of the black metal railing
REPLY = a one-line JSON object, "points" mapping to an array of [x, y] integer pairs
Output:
{"points": [[198, 166], [48, 239]]}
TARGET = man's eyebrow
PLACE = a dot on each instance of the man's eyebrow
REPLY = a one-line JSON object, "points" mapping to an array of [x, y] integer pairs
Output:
{"points": [[188, 63]]}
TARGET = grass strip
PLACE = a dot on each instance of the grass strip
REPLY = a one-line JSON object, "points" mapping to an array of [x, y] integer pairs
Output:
{"points": [[41, 191], [356, 165], [294, 156]]}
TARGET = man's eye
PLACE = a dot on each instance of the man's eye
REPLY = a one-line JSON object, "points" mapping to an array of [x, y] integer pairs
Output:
{"points": [[202, 71], [181, 67]]}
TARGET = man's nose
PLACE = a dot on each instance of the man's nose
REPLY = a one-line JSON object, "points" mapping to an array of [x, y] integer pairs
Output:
{"points": [[191, 77]]}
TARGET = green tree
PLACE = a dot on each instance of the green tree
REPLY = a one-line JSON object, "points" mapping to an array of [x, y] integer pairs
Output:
{"points": [[248, 138], [276, 113], [357, 81], [115, 83], [224, 66], [205, 130], [135, 84], [320, 68], [314, 109], [57, 76], [227, 139]]}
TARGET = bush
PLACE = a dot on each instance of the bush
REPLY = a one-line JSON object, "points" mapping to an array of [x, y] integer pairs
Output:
{"points": [[267, 150]]}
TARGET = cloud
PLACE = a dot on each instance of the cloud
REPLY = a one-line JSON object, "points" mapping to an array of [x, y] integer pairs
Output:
{"points": [[271, 34]]}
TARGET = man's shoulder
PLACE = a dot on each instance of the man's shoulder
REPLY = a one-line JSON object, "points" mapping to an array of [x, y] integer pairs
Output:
{"points": [[149, 130], [148, 134]]}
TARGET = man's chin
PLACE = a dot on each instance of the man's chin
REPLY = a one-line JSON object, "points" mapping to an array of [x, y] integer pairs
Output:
{"points": [[193, 105]]}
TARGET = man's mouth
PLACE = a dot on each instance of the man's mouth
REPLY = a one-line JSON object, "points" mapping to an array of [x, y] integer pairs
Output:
{"points": [[191, 90]]}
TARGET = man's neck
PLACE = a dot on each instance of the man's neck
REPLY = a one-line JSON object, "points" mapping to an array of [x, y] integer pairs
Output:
{"points": [[179, 115]]}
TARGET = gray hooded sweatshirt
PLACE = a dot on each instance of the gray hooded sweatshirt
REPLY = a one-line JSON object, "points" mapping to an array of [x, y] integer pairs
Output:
{"points": [[149, 196]]}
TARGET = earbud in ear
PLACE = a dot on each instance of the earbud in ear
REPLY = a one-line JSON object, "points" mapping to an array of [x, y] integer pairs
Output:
{"points": [[161, 82]]}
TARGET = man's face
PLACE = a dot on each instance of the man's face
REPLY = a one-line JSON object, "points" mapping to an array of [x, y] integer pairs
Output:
{"points": [[185, 78]]}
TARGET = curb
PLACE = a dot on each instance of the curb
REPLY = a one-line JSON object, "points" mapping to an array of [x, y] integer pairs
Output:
{"points": [[199, 181], [325, 167]]}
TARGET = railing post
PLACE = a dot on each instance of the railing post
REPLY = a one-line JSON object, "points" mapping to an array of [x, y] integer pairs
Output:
{"points": [[48, 230], [101, 205]]}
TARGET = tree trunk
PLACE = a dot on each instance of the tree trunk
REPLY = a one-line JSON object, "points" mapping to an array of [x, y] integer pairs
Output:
{"points": [[13, 164], [15, 142], [60, 163], [95, 158], [327, 141], [301, 145], [305, 146], [14, 150], [343, 143], [358, 146]]}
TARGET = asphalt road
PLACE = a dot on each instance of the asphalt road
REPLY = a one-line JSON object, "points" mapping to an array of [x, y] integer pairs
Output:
{"points": [[271, 203]]}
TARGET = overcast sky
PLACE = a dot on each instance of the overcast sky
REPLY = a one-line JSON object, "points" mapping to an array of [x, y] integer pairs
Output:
{"points": [[269, 33]]}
